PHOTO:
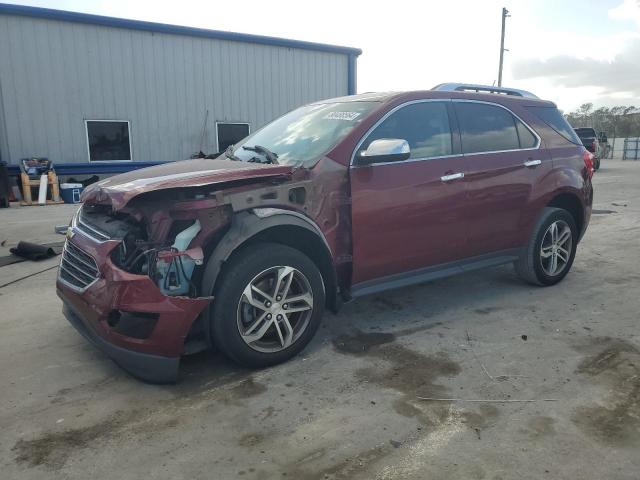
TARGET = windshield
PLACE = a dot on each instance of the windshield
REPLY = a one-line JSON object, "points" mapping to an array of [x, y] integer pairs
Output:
{"points": [[304, 134]]}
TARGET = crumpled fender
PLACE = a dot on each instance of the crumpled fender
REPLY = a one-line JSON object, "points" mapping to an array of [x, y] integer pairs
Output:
{"points": [[245, 225]]}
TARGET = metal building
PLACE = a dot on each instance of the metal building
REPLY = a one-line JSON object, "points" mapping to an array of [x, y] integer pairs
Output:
{"points": [[84, 89]]}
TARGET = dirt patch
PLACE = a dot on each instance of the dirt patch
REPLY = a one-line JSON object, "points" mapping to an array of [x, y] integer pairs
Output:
{"points": [[236, 394], [409, 372], [343, 470], [412, 374], [387, 304], [487, 310], [52, 449], [624, 279], [602, 212], [614, 364], [483, 418], [361, 343], [406, 371], [540, 427], [251, 439]]}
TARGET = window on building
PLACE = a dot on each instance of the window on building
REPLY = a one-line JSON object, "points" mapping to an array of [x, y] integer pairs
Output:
{"points": [[424, 125], [230, 133], [108, 140], [486, 128]]}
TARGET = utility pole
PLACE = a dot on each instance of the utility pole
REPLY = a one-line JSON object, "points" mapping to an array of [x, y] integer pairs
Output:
{"points": [[505, 14]]}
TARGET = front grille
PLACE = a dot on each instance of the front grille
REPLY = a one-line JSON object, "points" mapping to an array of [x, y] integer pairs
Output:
{"points": [[83, 224], [77, 268]]}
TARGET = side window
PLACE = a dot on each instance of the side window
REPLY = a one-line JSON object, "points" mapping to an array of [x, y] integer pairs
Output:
{"points": [[527, 140], [486, 128], [424, 125]]}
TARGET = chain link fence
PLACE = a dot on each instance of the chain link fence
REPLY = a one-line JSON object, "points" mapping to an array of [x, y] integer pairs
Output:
{"points": [[631, 149]]}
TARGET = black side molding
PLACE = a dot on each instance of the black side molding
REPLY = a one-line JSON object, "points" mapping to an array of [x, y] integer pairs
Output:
{"points": [[435, 272]]}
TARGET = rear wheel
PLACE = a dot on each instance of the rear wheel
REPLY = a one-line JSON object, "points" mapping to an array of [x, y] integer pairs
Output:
{"points": [[268, 306], [551, 249]]}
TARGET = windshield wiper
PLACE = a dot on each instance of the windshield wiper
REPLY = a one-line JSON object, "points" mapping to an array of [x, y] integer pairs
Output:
{"points": [[271, 157], [229, 154]]}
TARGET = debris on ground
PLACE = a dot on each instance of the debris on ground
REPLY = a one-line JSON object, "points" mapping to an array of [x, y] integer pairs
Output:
{"points": [[35, 251]]}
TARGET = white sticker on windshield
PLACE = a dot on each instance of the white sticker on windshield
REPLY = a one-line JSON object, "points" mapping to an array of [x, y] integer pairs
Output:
{"points": [[349, 116]]}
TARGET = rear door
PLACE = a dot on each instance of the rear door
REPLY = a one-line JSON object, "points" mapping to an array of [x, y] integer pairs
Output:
{"points": [[505, 162], [404, 215]]}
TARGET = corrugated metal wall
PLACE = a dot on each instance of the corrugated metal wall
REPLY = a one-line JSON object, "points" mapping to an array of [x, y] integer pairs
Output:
{"points": [[56, 74]]}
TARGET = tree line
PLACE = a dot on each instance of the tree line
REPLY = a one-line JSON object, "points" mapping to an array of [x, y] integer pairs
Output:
{"points": [[621, 121]]}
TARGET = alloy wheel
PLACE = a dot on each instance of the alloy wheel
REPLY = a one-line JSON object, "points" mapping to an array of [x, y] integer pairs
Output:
{"points": [[555, 250], [274, 309]]}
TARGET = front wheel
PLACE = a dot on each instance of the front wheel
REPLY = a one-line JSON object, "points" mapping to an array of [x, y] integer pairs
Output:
{"points": [[268, 306], [551, 249]]}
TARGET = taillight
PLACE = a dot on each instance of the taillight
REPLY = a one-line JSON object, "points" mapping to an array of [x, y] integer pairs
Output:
{"points": [[588, 162]]}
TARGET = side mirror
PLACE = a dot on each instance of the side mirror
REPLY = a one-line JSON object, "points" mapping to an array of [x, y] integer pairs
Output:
{"points": [[384, 150]]}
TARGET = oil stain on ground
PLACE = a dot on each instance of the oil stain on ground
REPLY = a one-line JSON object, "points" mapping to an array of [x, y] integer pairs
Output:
{"points": [[251, 439], [52, 449], [540, 427], [409, 372], [614, 364]]}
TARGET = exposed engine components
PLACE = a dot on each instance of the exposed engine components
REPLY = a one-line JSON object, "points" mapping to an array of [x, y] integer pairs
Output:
{"points": [[174, 266]]}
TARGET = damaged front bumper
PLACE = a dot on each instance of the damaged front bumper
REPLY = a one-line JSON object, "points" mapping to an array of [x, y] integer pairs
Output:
{"points": [[125, 315], [145, 366]]}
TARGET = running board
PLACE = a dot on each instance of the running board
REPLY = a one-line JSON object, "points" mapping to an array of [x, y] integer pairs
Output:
{"points": [[405, 279]]}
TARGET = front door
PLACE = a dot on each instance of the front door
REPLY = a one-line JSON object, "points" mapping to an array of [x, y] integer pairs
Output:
{"points": [[408, 215]]}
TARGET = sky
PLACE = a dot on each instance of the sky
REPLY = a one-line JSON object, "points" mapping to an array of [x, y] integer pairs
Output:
{"points": [[567, 51]]}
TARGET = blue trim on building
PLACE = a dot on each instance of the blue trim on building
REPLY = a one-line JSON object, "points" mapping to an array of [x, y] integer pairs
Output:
{"points": [[67, 16]]}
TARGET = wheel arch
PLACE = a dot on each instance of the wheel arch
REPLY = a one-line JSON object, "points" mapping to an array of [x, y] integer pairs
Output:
{"points": [[272, 225], [570, 202]]}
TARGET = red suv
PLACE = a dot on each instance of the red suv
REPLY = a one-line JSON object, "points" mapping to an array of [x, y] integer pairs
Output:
{"points": [[334, 200]]}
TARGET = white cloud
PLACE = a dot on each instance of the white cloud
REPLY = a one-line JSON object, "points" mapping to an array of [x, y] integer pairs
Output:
{"points": [[619, 76], [627, 10]]}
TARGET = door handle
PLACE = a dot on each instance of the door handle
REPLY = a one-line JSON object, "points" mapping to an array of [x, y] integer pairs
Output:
{"points": [[532, 163], [453, 176]]}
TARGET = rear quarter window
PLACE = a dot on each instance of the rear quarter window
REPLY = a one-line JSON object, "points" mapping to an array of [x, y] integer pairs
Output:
{"points": [[554, 119]]}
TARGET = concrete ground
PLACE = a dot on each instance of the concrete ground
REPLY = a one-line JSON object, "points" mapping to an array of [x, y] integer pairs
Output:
{"points": [[348, 406]]}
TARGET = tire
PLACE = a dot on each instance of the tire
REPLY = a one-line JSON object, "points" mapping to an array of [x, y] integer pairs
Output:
{"points": [[535, 265], [235, 315]]}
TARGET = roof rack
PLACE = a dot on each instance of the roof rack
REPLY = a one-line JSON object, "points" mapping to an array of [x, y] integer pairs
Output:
{"points": [[470, 87]]}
